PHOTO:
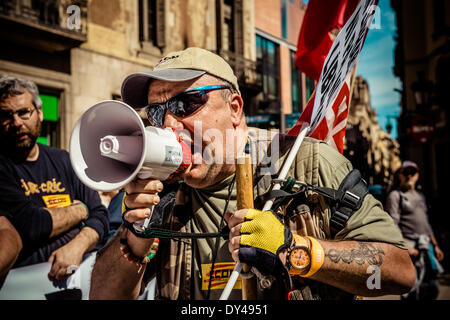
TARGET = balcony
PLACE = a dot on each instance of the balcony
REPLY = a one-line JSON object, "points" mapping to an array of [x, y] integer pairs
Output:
{"points": [[47, 25], [248, 72]]}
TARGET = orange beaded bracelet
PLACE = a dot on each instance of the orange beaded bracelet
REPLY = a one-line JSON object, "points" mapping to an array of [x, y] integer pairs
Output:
{"points": [[132, 258]]}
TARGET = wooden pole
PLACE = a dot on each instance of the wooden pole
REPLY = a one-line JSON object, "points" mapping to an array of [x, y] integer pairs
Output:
{"points": [[244, 197]]}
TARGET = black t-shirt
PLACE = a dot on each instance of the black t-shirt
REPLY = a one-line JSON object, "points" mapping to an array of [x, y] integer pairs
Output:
{"points": [[29, 186], [5, 214]]}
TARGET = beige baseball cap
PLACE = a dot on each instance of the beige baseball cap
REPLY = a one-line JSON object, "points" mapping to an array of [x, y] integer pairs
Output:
{"points": [[176, 66]]}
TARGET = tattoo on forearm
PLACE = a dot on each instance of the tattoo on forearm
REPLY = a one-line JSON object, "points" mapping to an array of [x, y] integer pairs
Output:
{"points": [[367, 252]]}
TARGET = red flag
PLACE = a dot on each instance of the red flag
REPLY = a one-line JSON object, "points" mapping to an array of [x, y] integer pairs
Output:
{"points": [[314, 41], [332, 128], [314, 44]]}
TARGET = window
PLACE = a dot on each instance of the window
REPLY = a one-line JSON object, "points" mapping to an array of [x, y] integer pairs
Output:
{"points": [[284, 27], [230, 35], [152, 22], [228, 26], [439, 16], [50, 109], [296, 85], [267, 54], [310, 86]]}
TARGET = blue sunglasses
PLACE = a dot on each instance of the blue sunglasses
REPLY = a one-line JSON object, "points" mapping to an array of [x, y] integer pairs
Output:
{"points": [[181, 105]]}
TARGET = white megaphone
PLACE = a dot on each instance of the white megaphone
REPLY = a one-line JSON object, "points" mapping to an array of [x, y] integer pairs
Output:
{"points": [[110, 146]]}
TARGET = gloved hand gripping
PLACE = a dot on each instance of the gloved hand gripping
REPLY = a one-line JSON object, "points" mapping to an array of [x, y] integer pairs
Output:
{"points": [[263, 236]]}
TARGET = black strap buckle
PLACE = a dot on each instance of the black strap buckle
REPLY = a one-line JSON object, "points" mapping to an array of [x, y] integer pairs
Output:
{"points": [[351, 200]]}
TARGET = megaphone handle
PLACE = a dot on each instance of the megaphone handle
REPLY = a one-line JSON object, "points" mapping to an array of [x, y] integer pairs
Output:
{"points": [[141, 226], [147, 221], [145, 175]]}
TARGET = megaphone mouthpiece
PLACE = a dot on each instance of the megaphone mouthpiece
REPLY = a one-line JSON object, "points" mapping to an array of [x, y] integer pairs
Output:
{"points": [[127, 149]]}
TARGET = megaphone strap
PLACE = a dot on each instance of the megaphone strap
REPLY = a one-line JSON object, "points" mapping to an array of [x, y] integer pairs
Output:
{"points": [[169, 234]]}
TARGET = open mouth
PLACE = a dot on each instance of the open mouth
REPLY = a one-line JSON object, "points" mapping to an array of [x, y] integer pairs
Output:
{"points": [[195, 149]]}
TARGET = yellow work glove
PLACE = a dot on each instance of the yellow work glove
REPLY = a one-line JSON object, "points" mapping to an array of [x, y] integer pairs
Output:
{"points": [[263, 236]]}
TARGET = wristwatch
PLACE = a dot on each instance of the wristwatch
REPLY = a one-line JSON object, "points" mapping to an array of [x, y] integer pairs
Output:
{"points": [[299, 256]]}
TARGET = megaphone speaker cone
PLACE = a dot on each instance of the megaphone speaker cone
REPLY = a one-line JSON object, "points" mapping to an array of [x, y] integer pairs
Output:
{"points": [[112, 118]]}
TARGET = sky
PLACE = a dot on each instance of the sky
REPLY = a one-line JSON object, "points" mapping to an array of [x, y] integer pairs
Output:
{"points": [[376, 63]]}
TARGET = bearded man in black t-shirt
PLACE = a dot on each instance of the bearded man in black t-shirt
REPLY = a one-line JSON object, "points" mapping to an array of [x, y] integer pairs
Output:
{"points": [[58, 218]]}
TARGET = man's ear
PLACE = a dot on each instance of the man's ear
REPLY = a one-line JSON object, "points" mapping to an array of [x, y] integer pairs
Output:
{"points": [[40, 114], [237, 109]]}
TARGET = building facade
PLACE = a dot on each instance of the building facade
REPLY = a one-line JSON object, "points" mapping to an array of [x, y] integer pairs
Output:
{"points": [[79, 51]]}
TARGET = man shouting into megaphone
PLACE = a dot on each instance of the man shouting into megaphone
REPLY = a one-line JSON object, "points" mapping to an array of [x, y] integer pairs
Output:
{"points": [[195, 92]]}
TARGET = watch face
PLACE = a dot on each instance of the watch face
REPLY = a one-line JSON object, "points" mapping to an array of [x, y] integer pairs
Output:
{"points": [[300, 257]]}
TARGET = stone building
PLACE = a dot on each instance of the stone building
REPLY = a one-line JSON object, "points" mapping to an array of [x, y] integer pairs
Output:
{"points": [[370, 149], [79, 51]]}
